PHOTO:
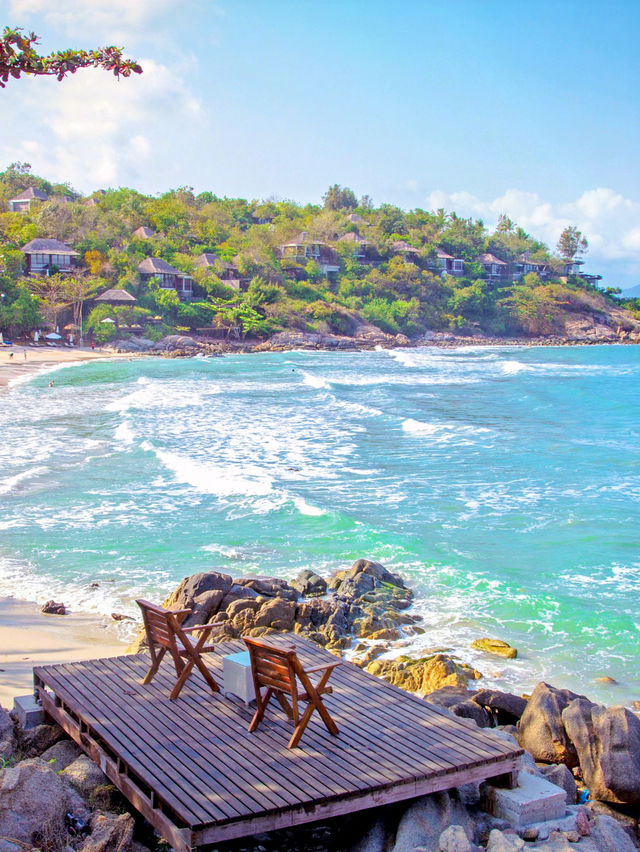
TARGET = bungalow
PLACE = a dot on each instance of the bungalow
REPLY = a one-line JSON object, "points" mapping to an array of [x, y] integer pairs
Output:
{"points": [[409, 252], [170, 278], [22, 203], [143, 233], [303, 248], [449, 264], [226, 272], [47, 256], [365, 253], [523, 265], [495, 268]]}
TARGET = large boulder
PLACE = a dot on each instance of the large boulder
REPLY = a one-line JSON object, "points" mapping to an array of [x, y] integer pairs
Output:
{"points": [[607, 741], [61, 754], [33, 805], [495, 646], [309, 584], [609, 836], [454, 839], [426, 818], [90, 782], [7, 735], [541, 730], [506, 708]]}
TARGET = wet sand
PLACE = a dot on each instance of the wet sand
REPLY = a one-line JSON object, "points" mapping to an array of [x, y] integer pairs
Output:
{"points": [[40, 357], [29, 638]]}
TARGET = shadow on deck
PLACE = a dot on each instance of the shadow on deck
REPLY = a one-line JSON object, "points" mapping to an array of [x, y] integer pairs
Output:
{"points": [[193, 770]]}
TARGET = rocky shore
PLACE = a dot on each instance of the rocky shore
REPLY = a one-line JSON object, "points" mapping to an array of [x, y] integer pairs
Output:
{"points": [[581, 332], [53, 797]]}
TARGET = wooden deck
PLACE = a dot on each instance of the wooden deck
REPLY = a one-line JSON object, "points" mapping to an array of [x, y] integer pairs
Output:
{"points": [[192, 769]]}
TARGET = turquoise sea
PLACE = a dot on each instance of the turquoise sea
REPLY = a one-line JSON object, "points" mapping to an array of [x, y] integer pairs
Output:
{"points": [[503, 483]]}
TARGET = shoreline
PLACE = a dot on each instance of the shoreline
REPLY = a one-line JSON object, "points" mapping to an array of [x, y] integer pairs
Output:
{"points": [[30, 638], [40, 359]]}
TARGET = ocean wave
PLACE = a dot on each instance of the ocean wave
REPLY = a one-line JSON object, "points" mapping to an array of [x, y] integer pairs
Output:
{"points": [[207, 478], [124, 433], [306, 508], [442, 432], [154, 395], [315, 381], [11, 483]]}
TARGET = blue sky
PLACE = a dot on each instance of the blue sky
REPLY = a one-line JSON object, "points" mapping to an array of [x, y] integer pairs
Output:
{"points": [[528, 108]]}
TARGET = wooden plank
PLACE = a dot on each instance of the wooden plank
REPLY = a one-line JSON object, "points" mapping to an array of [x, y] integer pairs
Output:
{"points": [[180, 838], [141, 761]]}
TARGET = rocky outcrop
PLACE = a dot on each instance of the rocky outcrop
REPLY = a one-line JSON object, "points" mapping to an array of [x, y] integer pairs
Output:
{"points": [[607, 742], [109, 833], [8, 741], [364, 600], [32, 806], [424, 675], [495, 646], [505, 708], [541, 730]]}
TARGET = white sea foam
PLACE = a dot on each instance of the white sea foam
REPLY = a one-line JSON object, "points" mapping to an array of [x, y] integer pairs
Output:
{"points": [[512, 368], [153, 395], [306, 508], [12, 483], [315, 381], [208, 478], [124, 433], [443, 432]]}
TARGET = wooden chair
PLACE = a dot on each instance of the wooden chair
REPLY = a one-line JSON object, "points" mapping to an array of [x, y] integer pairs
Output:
{"points": [[279, 670], [164, 633]]}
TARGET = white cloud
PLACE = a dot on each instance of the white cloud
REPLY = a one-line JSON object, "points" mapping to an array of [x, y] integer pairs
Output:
{"points": [[610, 221], [107, 19], [94, 130]]}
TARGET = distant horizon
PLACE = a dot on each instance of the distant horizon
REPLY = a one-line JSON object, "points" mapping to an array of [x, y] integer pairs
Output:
{"points": [[528, 111]]}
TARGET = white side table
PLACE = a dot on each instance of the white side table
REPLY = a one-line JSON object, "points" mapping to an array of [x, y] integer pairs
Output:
{"points": [[238, 680]]}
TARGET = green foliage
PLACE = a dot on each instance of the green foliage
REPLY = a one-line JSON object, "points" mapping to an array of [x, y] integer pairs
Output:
{"points": [[571, 243], [18, 56], [337, 198], [19, 311]]}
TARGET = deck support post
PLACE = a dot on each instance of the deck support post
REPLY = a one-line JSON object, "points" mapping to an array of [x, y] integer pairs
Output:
{"points": [[507, 779]]}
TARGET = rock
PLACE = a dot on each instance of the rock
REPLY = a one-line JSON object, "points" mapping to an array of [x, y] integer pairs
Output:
{"points": [[454, 839], [423, 675], [507, 708], [426, 818], [447, 696], [470, 710], [53, 608], [541, 730], [90, 781], [374, 839], [499, 842], [8, 742], [309, 584], [61, 754], [561, 776], [607, 741], [32, 805], [276, 613], [109, 833], [119, 616], [37, 740], [495, 646], [606, 679], [609, 836], [583, 826]]}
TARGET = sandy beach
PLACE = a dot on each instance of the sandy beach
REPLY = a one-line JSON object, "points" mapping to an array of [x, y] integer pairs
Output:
{"points": [[29, 638], [39, 358]]}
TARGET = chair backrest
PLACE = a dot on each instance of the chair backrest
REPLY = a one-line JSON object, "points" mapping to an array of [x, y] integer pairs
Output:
{"points": [[272, 666], [161, 624]]}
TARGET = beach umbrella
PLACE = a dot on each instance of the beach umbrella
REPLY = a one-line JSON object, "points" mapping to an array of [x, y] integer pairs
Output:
{"points": [[53, 336], [108, 319]]}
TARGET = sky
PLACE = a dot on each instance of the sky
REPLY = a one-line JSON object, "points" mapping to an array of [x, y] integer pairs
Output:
{"points": [[479, 106]]}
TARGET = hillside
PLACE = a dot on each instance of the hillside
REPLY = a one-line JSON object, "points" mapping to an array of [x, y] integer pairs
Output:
{"points": [[233, 269]]}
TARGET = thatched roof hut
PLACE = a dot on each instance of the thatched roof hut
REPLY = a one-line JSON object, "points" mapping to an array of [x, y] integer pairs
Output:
{"points": [[116, 297]]}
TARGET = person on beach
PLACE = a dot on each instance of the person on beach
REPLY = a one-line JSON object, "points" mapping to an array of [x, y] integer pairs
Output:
{"points": [[51, 383], [11, 356], [24, 352]]}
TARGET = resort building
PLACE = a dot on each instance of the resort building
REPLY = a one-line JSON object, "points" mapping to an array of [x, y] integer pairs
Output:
{"points": [[408, 252], [143, 233], [303, 248], [226, 272], [22, 203], [496, 269], [169, 277], [45, 257], [449, 264], [365, 253]]}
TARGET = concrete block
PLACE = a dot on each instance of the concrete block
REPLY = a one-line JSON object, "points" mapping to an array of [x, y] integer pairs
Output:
{"points": [[29, 712], [533, 800]]}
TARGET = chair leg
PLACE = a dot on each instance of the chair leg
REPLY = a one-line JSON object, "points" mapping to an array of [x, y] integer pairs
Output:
{"points": [[154, 666], [282, 701], [206, 674], [299, 728], [262, 702], [186, 671]]}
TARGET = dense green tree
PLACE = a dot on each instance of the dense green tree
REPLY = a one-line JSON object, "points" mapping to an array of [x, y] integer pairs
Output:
{"points": [[571, 243], [337, 198]]}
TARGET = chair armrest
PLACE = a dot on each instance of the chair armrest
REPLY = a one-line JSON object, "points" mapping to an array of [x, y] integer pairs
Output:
{"points": [[323, 667], [199, 627]]}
